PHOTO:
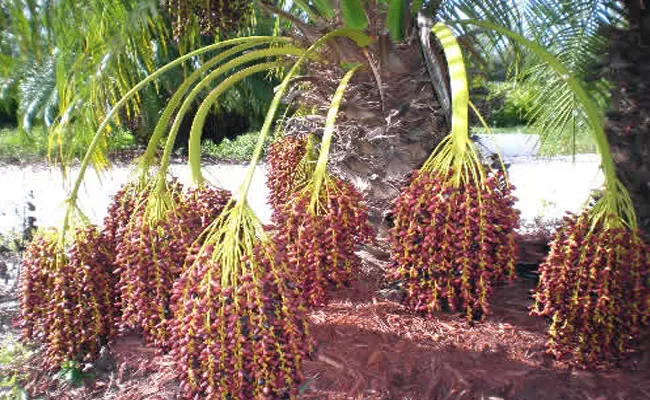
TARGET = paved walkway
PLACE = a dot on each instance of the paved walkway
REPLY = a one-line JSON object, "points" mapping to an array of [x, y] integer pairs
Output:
{"points": [[546, 188]]}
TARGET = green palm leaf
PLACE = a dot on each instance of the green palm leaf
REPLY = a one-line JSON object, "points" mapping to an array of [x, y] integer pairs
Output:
{"points": [[395, 19], [354, 15], [325, 8]]}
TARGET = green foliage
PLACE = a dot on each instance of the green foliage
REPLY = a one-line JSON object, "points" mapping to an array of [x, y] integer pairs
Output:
{"points": [[570, 31], [240, 149], [13, 355], [72, 372], [395, 19], [64, 79], [18, 145], [67, 79], [354, 15], [324, 7], [513, 104]]}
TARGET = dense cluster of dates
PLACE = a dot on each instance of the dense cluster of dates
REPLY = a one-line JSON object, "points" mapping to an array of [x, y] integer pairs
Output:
{"points": [[66, 298], [73, 300], [451, 243], [283, 158], [151, 255], [239, 340], [321, 245], [595, 287]]}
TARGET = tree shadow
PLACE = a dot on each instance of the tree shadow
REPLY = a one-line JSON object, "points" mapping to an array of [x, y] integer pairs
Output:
{"points": [[365, 361]]}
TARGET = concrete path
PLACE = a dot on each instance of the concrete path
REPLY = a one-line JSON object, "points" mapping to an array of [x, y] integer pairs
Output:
{"points": [[546, 188]]}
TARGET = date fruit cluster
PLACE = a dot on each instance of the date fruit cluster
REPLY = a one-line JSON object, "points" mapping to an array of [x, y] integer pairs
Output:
{"points": [[595, 287], [450, 242]]}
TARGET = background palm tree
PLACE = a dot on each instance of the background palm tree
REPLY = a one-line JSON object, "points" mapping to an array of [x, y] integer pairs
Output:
{"points": [[65, 63]]}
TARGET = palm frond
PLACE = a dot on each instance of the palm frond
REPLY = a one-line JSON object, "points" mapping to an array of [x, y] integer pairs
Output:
{"points": [[572, 31], [37, 93]]}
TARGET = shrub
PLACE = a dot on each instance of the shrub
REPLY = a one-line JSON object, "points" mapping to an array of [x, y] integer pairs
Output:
{"points": [[240, 149]]}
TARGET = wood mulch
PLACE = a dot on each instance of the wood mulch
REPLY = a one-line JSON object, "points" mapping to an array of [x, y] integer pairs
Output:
{"points": [[369, 346]]}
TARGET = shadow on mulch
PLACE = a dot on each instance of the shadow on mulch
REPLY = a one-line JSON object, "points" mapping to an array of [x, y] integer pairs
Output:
{"points": [[376, 349], [357, 363]]}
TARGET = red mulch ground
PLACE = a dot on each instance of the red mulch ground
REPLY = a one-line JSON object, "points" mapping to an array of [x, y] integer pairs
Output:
{"points": [[369, 347]]}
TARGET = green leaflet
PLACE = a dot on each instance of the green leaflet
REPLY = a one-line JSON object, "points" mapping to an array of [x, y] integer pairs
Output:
{"points": [[395, 19], [324, 7], [354, 15]]}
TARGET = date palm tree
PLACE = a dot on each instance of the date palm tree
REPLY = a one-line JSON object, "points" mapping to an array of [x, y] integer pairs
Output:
{"points": [[399, 108]]}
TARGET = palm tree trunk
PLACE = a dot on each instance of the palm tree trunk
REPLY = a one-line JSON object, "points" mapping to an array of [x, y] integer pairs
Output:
{"points": [[381, 136], [628, 121]]}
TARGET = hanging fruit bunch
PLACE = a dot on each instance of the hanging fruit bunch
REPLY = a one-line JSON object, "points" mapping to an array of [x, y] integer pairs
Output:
{"points": [[593, 284], [151, 255], [160, 233], [239, 327], [71, 311], [212, 16], [153, 251], [200, 206], [125, 202], [322, 225], [42, 257], [155, 243], [283, 158], [595, 287], [148, 260], [81, 315], [454, 223]]}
